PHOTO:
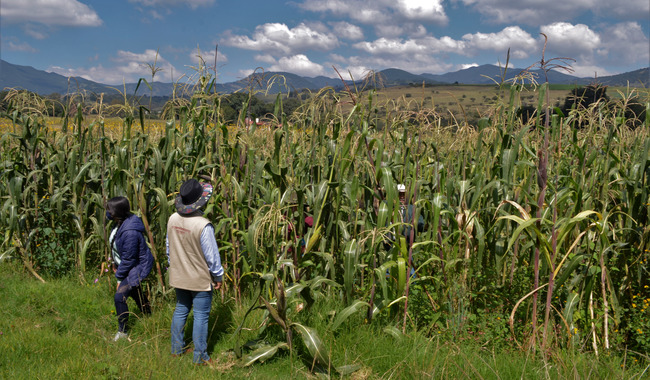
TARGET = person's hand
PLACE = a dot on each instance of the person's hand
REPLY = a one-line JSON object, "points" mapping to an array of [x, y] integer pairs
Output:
{"points": [[118, 286], [217, 285]]}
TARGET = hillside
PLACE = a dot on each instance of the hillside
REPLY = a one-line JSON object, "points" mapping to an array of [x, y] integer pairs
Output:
{"points": [[490, 74], [637, 78], [44, 83]]}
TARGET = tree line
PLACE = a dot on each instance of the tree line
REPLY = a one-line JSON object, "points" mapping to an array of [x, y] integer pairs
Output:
{"points": [[592, 98]]}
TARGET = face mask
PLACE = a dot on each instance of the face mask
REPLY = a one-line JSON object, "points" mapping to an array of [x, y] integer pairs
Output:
{"points": [[109, 216]]}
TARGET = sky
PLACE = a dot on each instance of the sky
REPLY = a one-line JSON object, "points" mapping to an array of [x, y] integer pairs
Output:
{"points": [[119, 41]]}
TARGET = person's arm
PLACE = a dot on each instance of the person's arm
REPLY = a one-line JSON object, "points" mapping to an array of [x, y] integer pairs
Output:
{"points": [[145, 258], [167, 249], [211, 254]]}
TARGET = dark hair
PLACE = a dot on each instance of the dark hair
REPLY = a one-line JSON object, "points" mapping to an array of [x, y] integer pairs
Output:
{"points": [[119, 208]]}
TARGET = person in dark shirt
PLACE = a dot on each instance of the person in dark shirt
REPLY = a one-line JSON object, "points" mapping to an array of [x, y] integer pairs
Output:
{"points": [[132, 260], [406, 212]]}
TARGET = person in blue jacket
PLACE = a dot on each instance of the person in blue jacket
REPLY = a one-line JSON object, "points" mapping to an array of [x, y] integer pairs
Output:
{"points": [[132, 260]]}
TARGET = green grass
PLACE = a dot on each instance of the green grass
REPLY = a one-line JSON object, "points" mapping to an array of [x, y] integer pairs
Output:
{"points": [[64, 330]]}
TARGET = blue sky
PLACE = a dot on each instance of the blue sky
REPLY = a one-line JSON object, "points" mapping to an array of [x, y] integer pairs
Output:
{"points": [[116, 41]]}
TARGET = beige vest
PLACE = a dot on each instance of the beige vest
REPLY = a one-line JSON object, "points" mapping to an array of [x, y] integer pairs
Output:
{"points": [[187, 266]]}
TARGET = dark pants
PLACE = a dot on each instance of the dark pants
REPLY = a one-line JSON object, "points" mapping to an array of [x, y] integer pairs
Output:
{"points": [[122, 309]]}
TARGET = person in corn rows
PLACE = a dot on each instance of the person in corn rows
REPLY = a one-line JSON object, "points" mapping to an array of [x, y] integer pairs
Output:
{"points": [[194, 267], [132, 260], [406, 211]]}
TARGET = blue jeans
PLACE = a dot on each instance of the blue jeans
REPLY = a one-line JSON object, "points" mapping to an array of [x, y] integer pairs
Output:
{"points": [[202, 303]]}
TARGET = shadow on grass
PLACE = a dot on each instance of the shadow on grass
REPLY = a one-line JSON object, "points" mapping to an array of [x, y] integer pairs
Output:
{"points": [[219, 323], [221, 320]]}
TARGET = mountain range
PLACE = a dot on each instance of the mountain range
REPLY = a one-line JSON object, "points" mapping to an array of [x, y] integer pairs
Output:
{"points": [[45, 83]]}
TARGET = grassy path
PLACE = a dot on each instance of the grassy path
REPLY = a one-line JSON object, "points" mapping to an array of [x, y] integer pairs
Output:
{"points": [[63, 330]]}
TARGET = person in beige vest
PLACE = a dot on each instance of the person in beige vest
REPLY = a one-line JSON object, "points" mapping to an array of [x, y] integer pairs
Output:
{"points": [[194, 267]]}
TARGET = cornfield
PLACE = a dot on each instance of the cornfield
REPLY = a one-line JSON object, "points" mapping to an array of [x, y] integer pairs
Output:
{"points": [[545, 223]]}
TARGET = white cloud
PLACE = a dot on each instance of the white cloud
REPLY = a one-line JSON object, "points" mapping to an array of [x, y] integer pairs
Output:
{"points": [[169, 3], [129, 68], [49, 12], [298, 64], [382, 11], [266, 58], [157, 15], [391, 46], [245, 73], [358, 10], [37, 32], [149, 55], [19, 46], [410, 29], [354, 72], [334, 6], [625, 42], [587, 71], [396, 47], [389, 30], [520, 42], [207, 56], [338, 58], [573, 41], [618, 45], [418, 31], [626, 10], [532, 12], [424, 10], [158, 10], [539, 12], [82, 73], [468, 65], [278, 39], [347, 30], [431, 54], [413, 63]]}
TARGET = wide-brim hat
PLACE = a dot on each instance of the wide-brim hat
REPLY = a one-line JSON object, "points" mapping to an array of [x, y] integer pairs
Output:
{"points": [[192, 196]]}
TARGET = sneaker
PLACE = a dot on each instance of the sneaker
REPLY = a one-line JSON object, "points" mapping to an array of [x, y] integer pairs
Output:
{"points": [[121, 335]]}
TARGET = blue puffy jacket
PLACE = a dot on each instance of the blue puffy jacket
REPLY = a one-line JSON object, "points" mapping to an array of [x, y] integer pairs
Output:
{"points": [[136, 258]]}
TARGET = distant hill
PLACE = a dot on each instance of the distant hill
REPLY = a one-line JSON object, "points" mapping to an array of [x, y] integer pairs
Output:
{"points": [[396, 77], [491, 74], [636, 78], [44, 83], [283, 81]]}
